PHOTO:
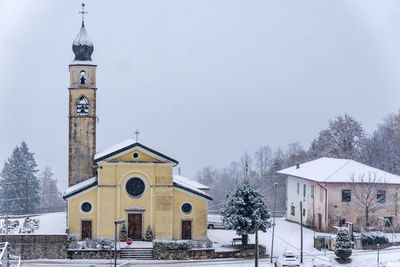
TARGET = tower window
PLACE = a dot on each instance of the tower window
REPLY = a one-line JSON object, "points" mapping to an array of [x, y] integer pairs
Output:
{"points": [[83, 77], [82, 106]]}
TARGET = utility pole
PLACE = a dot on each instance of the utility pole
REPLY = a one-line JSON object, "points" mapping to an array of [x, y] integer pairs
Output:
{"points": [[301, 232], [256, 256], [26, 196], [7, 239], [377, 245], [273, 222]]}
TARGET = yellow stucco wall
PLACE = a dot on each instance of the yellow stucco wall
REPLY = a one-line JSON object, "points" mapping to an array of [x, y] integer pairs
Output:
{"points": [[75, 214], [160, 201], [198, 215]]}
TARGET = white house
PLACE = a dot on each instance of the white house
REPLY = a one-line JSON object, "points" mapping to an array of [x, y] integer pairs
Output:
{"points": [[324, 186]]}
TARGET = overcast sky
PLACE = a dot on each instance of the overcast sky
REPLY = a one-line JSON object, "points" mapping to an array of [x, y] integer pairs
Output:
{"points": [[204, 81]]}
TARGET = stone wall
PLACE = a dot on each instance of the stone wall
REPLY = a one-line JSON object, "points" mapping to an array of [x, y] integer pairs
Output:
{"points": [[201, 254], [32, 246], [91, 254]]}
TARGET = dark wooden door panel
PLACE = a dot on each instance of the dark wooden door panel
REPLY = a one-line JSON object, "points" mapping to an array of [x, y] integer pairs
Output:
{"points": [[186, 229], [135, 226], [86, 228]]}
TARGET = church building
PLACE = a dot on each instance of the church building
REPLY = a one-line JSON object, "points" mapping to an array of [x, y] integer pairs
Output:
{"points": [[128, 181]]}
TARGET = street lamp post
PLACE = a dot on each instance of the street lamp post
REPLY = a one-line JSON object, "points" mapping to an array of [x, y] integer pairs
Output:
{"points": [[115, 244], [273, 222]]}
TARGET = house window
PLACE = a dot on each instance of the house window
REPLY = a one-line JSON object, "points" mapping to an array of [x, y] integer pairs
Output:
{"points": [[381, 196], [304, 190], [298, 188], [292, 210], [304, 212], [342, 222], [312, 191], [346, 195]]}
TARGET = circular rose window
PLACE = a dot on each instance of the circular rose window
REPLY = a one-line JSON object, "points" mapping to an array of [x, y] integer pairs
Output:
{"points": [[135, 187], [86, 207], [187, 208]]}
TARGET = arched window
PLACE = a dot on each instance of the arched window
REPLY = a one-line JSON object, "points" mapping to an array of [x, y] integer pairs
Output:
{"points": [[82, 106], [83, 77]]}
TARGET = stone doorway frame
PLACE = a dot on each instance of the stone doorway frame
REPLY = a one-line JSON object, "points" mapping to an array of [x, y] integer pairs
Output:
{"points": [[135, 210]]}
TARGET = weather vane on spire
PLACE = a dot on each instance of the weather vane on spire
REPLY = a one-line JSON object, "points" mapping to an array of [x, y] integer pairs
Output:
{"points": [[83, 12]]}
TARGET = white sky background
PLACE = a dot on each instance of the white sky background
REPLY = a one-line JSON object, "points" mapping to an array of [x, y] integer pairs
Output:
{"points": [[204, 81]]}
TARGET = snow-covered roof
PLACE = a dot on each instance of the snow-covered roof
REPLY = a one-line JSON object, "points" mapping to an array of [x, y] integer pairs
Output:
{"points": [[116, 147], [79, 187], [191, 182], [125, 145], [83, 62], [331, 170], [190, 185]]}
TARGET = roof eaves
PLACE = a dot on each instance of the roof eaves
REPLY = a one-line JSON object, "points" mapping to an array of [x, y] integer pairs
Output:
{"points": [[132, 146], [66, 196], [192, 191]]}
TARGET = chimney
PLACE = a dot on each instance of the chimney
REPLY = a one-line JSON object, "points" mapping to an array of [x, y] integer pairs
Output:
{"points": [[298, 165], [179, 171]]}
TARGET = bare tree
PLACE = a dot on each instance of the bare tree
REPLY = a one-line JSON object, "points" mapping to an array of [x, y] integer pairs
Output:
{"points": [[368, 196], [342, 139]]}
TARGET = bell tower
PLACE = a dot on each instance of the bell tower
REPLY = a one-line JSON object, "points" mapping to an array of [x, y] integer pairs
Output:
{"points": [[82, 109]]}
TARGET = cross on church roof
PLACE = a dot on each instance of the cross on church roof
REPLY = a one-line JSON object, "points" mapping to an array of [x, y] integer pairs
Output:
{"points": [[83, 12], [137, 134]]}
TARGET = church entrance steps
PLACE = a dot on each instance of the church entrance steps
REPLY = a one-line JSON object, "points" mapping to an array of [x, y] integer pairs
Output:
{"points": [[137, 253]]}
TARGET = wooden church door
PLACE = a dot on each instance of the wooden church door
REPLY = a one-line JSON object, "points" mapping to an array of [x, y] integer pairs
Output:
{"points": [[135, 226], [186, 229], [86, 228]]}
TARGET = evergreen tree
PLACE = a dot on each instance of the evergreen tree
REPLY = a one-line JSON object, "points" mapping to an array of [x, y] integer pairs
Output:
{"points": [[123, 233], [343, 244], [244, 210], [50, 197], [19, 186], [149, 233]]}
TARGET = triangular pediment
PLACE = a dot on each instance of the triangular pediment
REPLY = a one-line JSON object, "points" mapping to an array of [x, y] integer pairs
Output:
{"points": [[132, 151]]}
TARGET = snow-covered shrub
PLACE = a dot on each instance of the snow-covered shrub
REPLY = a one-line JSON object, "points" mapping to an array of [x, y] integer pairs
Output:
{"points": [[30, 225], [123, 234], [244, 210], [172, 244], [89, 243], [343, 244], [373, 238], [104, 242], [149, 233], [72, 242]]}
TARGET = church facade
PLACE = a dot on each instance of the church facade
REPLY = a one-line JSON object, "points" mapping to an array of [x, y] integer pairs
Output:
{"points": [[128, 181]]}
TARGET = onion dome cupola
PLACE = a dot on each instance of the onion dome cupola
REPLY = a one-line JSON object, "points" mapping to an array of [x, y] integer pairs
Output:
{"points": [[82, 46]]}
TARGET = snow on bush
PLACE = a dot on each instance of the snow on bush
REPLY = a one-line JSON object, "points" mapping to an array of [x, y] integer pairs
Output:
{"points": [[104, 243], [172, 244], [343, 244], [373, 238], [72, 242], [30, 225]]}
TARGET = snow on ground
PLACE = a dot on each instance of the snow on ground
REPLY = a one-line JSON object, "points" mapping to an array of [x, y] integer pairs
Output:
{"points": [[287, 237], [49, 223]]}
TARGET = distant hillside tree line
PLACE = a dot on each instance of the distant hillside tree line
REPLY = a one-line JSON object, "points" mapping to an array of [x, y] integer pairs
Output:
{"points": [[343, 138]]}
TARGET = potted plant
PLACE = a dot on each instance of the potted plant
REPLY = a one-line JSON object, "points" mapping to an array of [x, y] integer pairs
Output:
{"points": [[122, 234], [149, 234]]}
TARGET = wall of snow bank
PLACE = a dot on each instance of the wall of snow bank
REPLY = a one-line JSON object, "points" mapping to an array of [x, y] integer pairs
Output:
{"points": [[31, 246]]}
